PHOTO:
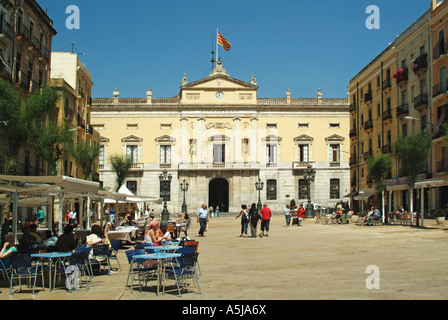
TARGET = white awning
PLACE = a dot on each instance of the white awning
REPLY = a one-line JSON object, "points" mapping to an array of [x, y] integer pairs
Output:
{"points": [[365, 194], [429, 184]]}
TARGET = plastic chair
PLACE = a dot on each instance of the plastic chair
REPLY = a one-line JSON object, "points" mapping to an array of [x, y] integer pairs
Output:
{"points": [[87, 250], [194, 244], [21, 266], [100, 253], [4, 268], [141, 268], [113, 254], [78, 259], [186, 269]]}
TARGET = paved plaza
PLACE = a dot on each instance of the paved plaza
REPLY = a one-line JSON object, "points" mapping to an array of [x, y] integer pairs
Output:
{"points": [[294, 263]]}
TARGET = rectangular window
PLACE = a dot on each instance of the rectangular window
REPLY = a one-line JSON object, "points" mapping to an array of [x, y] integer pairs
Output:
{"points": [[271, 189], [379, 141], [131, 152], [303, 125], [271, 125], [101, 156], [334, 188], [132, 186], [271, 153], [335, 125], [335, 150], [219, 153], [304, 153], [303, 189], [165, 154]]}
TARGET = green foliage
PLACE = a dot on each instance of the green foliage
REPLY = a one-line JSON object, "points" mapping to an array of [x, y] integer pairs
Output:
{"points": [[50, 141], [379, 168], [121, 166], [412, 152], [86, 157], [439, 213], [292, 203]]}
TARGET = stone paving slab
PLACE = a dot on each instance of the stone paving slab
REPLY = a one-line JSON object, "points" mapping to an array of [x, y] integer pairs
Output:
{"points": [[323, 262]]}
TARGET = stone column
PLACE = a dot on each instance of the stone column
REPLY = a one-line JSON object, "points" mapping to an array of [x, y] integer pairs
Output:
{"points": [[200, 147], [254, 142], [185, 140], [237, 140]]}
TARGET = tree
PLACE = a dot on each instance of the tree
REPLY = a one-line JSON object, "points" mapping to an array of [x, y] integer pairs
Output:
{"points": [[121, 166], [86, 157], [412, 153], [379, 168], [51, 141]]}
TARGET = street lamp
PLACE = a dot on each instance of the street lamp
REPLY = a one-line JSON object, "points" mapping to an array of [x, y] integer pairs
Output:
{"points": [[308, 176], [165, 182], [259, 186], [415, 119], [184, 188]]}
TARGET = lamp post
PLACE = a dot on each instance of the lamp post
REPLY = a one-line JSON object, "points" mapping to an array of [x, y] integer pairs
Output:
{"points": [[165, 182], [184, 188], [309, 176], [259, 186]]}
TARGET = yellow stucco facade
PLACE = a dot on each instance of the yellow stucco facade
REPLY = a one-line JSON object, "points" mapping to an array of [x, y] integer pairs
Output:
{"points": [[220, 137]]}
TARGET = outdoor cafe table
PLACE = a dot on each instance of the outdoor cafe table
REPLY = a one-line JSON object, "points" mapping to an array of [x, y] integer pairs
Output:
{"points": [[124, 234], [50, 256], [157, 256]]}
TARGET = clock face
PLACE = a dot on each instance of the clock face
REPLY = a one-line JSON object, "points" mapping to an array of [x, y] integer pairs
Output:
{"points": [[219, 95]]}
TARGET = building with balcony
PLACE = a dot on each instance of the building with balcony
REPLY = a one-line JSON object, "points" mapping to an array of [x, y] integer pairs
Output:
{"points": [[392, 94], [68, 73], [221, 138]]}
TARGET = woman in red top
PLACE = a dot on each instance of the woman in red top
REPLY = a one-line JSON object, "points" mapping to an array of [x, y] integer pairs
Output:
{"points": [[301, 214]]}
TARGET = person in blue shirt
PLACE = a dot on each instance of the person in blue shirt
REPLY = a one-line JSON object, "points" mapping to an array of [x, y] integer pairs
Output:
{"points": [[40, 215]]}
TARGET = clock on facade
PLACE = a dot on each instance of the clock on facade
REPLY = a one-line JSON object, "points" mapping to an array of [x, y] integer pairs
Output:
{"points": [[219, 95]]}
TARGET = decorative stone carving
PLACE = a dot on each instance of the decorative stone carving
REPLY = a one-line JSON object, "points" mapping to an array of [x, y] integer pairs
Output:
{"points": [[219, 125], [253, 80], [184, 79]]}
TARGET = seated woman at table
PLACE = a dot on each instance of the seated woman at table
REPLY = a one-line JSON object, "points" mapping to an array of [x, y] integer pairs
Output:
{"points": [[163, 231], [8, 248], [50, 241], [152, 235], [66, 242], [96, 236]]}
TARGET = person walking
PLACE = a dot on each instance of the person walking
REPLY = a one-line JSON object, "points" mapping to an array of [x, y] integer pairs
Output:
{"points": [[287, 215], [253, 220], [202, 219], [265, 214], [244, 220], [217, 212]]}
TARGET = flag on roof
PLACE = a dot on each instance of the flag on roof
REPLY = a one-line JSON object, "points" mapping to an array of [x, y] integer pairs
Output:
{"points": [[222, 41]]}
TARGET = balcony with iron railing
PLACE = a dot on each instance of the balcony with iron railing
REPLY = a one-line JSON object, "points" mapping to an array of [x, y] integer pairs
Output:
{"points": [[368, 97], [402, 110], [353, 161], [387, 115], [353, 107], [439, 89], [401, 76], [421, 101], [367, 154], [387, 148], [439, 51], [442, 166], [352, 133], [5, 34], [420, 64], [368, 125], [387, 84]]}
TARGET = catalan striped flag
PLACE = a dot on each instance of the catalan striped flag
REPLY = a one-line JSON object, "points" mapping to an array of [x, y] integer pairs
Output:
{"points": [[222, 41]]}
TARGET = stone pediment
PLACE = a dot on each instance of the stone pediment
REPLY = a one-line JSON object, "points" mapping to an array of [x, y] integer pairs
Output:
{"points": [[131, 138], [303, 138], [334, 137], [219, 82], [165, 139], [272, 138]]}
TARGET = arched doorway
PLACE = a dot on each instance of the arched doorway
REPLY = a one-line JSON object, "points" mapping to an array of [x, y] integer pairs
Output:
{"points": [[218, 194]]}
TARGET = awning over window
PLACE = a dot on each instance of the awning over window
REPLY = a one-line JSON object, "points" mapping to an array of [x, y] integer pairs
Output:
{"points": [[365, 194]]}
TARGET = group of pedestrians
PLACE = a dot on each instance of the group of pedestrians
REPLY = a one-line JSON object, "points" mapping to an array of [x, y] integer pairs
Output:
{"points": [[290, 210], [251, 216]]}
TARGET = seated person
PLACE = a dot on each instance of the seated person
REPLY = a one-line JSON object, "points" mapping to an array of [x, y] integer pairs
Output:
{"points": [[96, 237], [8, 249], [367, 218], [66, 242], [163, 231], [152, 235], [33, 229], [50, 241], [28, 243]]}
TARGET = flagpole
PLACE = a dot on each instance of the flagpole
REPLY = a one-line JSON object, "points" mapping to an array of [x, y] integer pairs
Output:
{"points": [[217, 33]]}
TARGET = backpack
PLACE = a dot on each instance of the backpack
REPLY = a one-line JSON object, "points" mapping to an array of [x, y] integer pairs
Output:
{"points": [[244, 217]]}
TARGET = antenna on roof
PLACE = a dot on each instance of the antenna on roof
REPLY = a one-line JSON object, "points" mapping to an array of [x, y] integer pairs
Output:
{"points": [[213, 53]]}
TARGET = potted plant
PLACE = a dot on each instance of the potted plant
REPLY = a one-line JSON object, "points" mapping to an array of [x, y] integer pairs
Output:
{"points": [[439, 215]]}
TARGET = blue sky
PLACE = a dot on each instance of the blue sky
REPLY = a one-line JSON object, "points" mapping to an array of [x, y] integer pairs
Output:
{"points": [[295, 44]]}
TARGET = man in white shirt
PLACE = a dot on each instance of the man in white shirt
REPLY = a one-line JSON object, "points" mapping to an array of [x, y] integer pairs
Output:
{"points": [[72, 217], [202, 219]]}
